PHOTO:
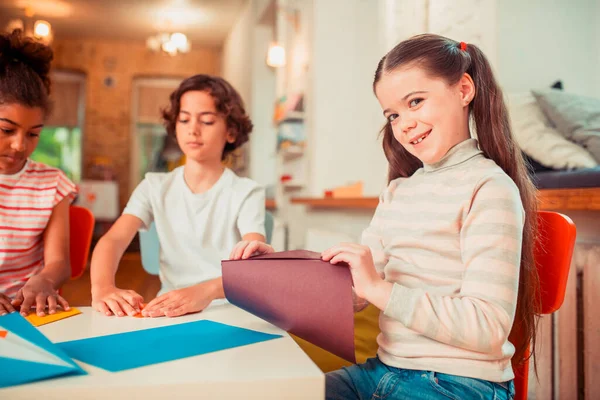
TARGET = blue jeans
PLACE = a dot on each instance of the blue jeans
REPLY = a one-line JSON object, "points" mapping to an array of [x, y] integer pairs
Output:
{"points": [[375, 380]]}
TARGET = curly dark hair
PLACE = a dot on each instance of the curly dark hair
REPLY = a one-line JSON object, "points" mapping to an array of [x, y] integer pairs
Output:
{"points": [[228, 102], [24, 71]]}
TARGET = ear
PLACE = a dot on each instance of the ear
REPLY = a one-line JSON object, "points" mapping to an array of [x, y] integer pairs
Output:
{"points": [[466, 88], [230, 137]]}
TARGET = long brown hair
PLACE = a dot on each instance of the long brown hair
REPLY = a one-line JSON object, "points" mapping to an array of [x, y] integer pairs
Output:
{"points": [[443, 58]]}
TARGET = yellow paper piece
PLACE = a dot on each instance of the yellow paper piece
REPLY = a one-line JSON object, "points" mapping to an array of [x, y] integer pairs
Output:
{"points": [[36, 320]]}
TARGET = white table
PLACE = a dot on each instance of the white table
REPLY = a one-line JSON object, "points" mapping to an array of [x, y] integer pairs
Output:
{"points": [[275, 369]]}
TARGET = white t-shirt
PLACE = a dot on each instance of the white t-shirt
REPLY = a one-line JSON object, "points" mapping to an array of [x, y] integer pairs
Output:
{"points": [[197, 231]]}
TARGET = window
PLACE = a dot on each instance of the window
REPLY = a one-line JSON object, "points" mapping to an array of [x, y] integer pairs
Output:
{"points": [[60, 140]]}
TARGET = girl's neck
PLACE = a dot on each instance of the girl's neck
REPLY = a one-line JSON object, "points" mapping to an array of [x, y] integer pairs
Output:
{"points": [[200, 177]]}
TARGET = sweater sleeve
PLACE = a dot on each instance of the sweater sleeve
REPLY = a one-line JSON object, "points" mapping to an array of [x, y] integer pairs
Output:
{"points": [[480, 316]]}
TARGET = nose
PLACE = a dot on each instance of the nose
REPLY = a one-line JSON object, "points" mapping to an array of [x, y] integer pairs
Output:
{"points": [[407, 124], [18, 143], [194, 128]]}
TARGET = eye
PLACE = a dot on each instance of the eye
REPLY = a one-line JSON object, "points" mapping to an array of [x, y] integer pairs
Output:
{"points": [[392, 117], [7, 131], [208, 122], [415, 102], [183, 121], [33, 134]]}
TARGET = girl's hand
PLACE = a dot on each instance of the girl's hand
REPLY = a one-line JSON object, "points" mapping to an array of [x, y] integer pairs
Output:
{"points": [[114, 301], [362, 268], [39, 291], [246, 249], [181, 301], [5, 306]]}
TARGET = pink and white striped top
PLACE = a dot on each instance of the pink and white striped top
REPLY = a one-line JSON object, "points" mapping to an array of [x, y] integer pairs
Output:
{"points": [[26, 202]]}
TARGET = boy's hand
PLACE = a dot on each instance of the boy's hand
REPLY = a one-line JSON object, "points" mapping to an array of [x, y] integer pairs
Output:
{"points": [[39, 291], [5, 306], [246, 249], [114, 301], [182, 301]]}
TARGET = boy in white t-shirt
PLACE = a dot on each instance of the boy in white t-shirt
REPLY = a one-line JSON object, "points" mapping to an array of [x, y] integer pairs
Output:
{"points": [[201, 210]]}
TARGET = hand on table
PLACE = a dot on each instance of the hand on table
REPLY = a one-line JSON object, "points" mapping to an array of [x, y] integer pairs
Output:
{"points": [[182, 301], [114, 301], [39, 292]]}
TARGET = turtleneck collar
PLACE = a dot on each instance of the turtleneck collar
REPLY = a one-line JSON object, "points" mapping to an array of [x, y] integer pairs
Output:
{"points": [[459, 153]]}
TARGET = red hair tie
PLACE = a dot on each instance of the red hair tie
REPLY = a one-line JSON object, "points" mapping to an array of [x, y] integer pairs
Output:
{"points": [[463, 46]]}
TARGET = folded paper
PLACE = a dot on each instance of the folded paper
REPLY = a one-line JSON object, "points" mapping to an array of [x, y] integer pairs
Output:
{"points": [[26, 355], [298, 292]]}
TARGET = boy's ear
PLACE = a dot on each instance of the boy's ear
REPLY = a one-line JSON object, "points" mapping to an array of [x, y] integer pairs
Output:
{"points": [[467, 89], [230, 137]]}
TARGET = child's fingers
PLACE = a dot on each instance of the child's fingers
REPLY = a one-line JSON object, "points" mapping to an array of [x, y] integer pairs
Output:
{"points": [[115, 307], [250, 249], [127, 308], [156, 302], [63, 303], [18, 300], [51, 305], [134, 300], [40, 304], [103, 308], [26, 305], [5, 306], [240, 250], [236, 248], [343, 257], [177, 312]]}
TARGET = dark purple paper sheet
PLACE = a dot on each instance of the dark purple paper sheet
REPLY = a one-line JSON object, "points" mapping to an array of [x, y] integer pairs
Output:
{"points": [[298, 292]]}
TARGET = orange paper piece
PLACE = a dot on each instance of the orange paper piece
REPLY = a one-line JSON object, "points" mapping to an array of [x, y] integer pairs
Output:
{"points": [[3, 334], [139, 315], [36, 320]]}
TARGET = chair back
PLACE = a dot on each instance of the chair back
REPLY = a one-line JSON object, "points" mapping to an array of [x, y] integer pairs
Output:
{"points": [[553, 253], [81, 230]]}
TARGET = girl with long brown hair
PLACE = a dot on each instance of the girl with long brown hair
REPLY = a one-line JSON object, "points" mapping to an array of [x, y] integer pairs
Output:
{"points": [[448, 256]]}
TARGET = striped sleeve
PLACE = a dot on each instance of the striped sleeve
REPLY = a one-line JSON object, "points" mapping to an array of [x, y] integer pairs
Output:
{"points": [[64, 188], [480, 316]]}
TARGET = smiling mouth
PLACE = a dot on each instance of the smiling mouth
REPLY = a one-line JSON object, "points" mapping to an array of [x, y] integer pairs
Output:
{"points": [[420, 138]]}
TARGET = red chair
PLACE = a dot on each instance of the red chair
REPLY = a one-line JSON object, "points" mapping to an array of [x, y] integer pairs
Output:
{"points": [[553, 253], [81, 231]]}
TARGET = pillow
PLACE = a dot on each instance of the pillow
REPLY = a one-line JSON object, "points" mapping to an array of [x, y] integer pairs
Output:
{"points": [[576, 117], [540, 141]]}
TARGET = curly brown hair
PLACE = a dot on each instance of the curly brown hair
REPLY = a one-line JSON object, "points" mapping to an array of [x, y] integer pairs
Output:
{"points": [[24, 71], [228, 102]]}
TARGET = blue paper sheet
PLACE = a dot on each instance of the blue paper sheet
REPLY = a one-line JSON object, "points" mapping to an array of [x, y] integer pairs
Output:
{"points": [[15, 371], [124, 351]]}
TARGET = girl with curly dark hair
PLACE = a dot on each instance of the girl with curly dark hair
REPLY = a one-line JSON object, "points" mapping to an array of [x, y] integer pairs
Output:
{"points": [[34, 198], [200, 210]]}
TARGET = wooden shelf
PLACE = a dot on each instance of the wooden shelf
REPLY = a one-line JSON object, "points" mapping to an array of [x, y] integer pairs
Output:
{"points": [[357, 202], [570, 199], [270, 204], [550, 199]]}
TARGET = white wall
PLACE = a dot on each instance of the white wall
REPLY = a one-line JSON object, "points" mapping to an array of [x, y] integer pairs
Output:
{"points": [[237, 55], [345, 116], [541, 41], [597, 47]]}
